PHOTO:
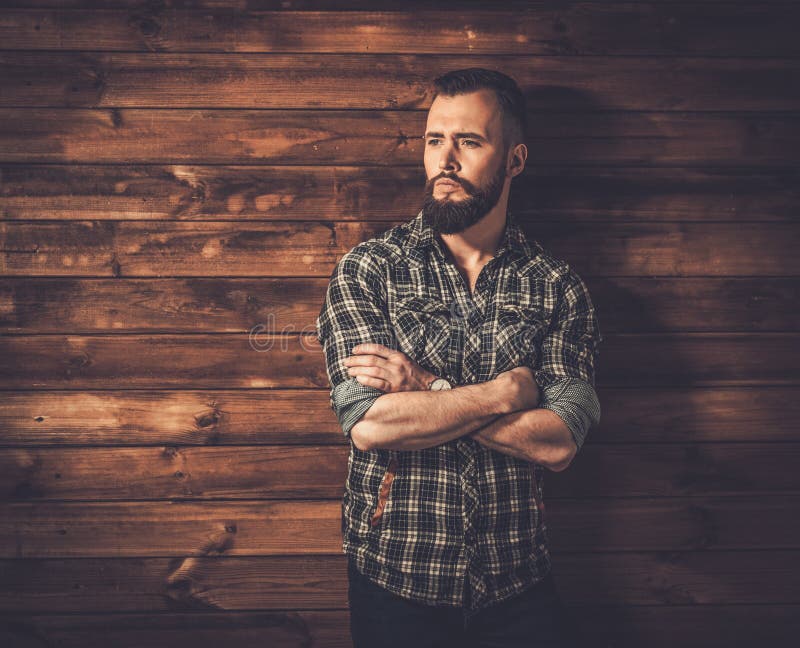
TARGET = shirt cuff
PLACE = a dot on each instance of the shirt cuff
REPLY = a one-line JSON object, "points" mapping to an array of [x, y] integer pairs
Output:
{"points": [[576, 402], [350, 400]]}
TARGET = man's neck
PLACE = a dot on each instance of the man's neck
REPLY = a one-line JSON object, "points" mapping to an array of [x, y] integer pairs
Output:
{"points": [[477, 244]]}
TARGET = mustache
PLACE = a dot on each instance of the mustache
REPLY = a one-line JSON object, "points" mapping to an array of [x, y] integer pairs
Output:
{"points": [[447, 176]]}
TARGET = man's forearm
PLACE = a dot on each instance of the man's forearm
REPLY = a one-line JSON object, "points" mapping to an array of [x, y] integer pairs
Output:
{"points": [[413, 420], [536, 435]]}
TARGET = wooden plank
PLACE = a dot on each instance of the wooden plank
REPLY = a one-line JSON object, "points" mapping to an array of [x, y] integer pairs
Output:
{"points": [[380, 82], [146, 529], [233, 472], [672, 524], [267, 583], [139, 529], [269, 361], [312, 248], [541, 193], [167, 6], [287, 305], [217, 417], [256, 417], [678, 578], [673, 249], [157, 248], [164, 584], [309, 472], [699, 359], [653, 304], [387, 138], [674, 469], [188, 305], [725, 29], [684, 415], [182, 361], [276, 629], [633, 626], [688, 626]]}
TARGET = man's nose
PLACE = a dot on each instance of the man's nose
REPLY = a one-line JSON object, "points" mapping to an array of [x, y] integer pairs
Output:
{"points": [[447, 157]]}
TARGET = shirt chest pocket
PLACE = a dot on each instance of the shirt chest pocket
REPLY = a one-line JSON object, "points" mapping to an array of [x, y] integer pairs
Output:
{"points": [[518, 333], [422, 327]]}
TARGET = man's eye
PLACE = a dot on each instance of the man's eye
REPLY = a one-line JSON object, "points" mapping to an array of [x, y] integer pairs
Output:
{"points": [[465, 142]]}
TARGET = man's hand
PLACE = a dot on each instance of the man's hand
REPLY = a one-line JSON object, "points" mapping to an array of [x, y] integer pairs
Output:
{"points": [[520, 385], [528, 433], [376, 365]]}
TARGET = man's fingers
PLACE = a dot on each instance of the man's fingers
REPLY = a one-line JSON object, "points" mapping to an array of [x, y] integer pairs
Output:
{"points": [[374, 348], [370, 381], [372, 371], [363, 360], [371, 375]]}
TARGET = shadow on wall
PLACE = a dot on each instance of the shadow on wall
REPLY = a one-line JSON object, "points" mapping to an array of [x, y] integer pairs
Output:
{"points": [[539, 204]]}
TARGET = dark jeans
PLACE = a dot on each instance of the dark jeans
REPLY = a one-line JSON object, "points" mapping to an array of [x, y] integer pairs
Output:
{"points": [[382, 619]]}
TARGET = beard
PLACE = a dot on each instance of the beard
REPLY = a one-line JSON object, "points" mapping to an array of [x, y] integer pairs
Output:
{"points": [[448, 216]]}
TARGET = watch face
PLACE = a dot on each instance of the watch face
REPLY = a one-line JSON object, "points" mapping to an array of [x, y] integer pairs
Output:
{"points": [[440, 383]]}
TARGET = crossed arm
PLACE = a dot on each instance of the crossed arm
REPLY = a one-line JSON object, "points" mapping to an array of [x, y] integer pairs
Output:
{"points": [[537, 435], [480, 410], [496, 413], [500, 413], [355, 314]]}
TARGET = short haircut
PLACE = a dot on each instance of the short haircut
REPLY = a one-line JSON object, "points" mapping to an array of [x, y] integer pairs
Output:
{"points": [[509, 96]]}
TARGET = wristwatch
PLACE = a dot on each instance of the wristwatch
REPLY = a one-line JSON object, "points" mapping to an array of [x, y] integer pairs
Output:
{"points": [[439, 383]]}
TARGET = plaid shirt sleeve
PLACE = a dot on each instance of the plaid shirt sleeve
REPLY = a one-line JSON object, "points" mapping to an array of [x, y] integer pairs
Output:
{"points": [[354, 311], [565, 367]]}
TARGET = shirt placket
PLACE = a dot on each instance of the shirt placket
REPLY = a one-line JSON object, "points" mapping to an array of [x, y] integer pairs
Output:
{"points": [[470, 310]]}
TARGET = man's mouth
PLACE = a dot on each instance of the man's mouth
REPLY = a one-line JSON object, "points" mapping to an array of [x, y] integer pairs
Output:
{"points": [[444, 182]]}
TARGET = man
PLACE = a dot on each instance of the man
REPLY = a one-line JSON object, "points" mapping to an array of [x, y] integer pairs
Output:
{"points": [[461, 362]]}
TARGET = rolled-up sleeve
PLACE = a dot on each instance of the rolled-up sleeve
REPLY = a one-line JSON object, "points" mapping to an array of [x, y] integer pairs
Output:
{"points": [[354, 311], [565, 367]]}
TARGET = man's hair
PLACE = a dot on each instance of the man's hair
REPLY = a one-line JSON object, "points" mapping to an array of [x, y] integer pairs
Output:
{"points": [[509, 96]]}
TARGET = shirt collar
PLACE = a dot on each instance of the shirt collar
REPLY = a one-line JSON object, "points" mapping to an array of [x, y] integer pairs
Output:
{"points": [[514, 240]]}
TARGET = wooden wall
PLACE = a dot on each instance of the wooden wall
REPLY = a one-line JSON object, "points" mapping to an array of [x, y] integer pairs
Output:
{"points": [[176, 182]]}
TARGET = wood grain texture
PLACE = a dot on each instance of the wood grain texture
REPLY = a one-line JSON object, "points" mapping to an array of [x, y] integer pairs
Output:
{"points": [[267, 361], [257, 417], [398, 82], [178, 179], [312, 248], [346, 193], [722, 29], [385, 138], [275, 528], [658, 626], [292, 304], [198, 629], [309, 472], [330, 6], [222, 583]]}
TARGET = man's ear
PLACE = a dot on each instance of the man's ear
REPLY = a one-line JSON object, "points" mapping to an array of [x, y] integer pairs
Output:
{"points": [[516, 159]]}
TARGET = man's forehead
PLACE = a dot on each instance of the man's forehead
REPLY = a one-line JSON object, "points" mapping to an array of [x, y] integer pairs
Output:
{"points": [[477, 111]]}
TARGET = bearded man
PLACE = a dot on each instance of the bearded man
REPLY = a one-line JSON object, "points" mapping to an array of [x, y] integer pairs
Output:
{"points": [[461, 361]]}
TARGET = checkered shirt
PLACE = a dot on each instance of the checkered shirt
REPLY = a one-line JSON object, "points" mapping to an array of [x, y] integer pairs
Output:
{"points": [[457, 524]]}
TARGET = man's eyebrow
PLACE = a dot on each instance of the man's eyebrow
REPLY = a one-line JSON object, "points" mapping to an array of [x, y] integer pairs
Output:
{"points": [[468, 135]]}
